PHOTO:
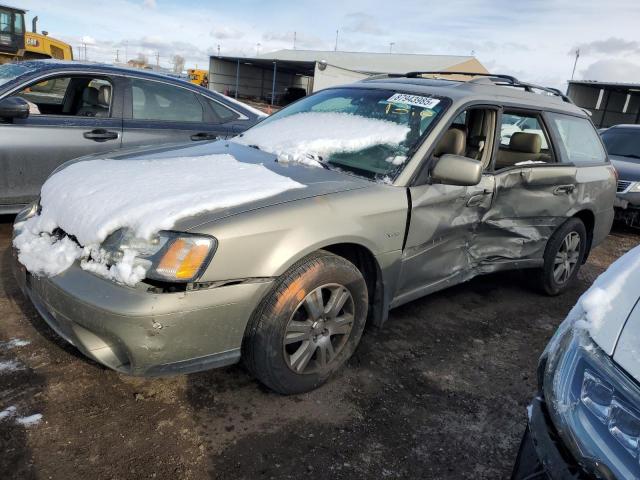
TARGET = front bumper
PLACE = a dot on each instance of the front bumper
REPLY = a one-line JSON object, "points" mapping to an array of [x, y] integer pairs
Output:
{"points": [[541, 453], [143, 333], [627, 208]]}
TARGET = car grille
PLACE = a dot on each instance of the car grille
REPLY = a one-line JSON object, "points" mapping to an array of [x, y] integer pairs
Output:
{"points": [[623, 185]]}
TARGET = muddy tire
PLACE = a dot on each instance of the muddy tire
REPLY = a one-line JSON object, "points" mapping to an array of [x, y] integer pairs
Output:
{"points": [[308, 326], [563, 257]]}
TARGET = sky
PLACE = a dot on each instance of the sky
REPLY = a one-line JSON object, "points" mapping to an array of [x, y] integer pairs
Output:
{"points": [[535, 40]]}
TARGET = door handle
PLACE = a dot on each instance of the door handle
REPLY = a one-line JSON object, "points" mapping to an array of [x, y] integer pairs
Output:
{"points": [[100, 135], [478, 199], [204, 136], [564, 189]]}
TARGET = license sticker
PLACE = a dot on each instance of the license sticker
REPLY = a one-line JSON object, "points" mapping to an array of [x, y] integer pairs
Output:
{"points": [[415, 100]]}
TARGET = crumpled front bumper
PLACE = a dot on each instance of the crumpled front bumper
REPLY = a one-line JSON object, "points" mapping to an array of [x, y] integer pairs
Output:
{"points": [[541, 453], [139, 332]]}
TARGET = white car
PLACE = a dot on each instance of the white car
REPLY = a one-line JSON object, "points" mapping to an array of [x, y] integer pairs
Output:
{"points": [[526, 125], [586, 417]]}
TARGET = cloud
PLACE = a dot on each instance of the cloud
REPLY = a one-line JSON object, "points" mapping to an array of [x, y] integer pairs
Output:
{"points": [[149, 4], [612, 45], [88, 40], [226, 33], [360, 22], [612, 70]]}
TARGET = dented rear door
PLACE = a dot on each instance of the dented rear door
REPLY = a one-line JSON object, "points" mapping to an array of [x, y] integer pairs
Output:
{"points": [[529, 203]]}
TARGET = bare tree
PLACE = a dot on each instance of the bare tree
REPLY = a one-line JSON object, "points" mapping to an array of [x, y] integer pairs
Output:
{"points": [[178, 63]]}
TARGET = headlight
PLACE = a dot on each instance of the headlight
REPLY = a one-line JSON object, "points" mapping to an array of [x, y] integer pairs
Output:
{"points": [[168, 256], [635, 187], [594, 406]]}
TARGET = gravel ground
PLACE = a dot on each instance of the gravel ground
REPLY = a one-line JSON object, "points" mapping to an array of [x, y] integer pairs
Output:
{"points": [[439, 392]]}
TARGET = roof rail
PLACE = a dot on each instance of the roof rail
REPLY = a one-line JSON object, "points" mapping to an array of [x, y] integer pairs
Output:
{"points": [[497, 79]]}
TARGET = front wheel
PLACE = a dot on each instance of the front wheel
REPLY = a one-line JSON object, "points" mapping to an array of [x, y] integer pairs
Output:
{"points": [[563, 256], [309, 326]]}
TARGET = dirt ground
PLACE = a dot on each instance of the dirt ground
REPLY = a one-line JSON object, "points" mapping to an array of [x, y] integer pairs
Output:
{"points": [[440, 392]]}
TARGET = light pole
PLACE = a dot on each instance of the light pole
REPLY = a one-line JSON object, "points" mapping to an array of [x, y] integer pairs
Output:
{"points": [[391, 44], [218, 49], [257, 49], [575, 63]]}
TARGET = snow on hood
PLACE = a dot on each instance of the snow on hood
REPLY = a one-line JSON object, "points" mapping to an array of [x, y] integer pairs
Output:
{"points": [[303, 136], [92, 199], [604, 308]]}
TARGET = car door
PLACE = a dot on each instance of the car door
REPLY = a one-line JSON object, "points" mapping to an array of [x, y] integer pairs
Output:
{"points": [[534, 193], [63, 124], [443, 221], [159, 112]]}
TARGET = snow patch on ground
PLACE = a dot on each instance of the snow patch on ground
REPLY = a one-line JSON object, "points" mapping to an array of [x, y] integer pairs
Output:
{"points": [[14, 343], [10, 366], [607, 296], [30, 420], [303, 136], [7, 412], [92, 199]]}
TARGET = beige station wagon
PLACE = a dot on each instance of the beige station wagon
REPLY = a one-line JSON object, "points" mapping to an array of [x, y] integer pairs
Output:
{"points": [[397, 187]]}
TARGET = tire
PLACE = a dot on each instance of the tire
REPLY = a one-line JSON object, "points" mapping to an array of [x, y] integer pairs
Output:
{"points": [[554, 279], [285, 345]]}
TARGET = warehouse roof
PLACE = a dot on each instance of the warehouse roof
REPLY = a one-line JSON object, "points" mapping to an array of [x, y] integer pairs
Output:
{"points": [[596, 83], [378, 62]]}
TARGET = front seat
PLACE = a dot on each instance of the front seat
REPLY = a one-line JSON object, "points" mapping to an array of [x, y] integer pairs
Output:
{"points": [[104, 97], [523, 147], [91, 104], [453, 142]]}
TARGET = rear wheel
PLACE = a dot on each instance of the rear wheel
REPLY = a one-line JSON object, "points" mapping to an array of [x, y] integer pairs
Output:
{"points": [[563, 256], [309, 326]]}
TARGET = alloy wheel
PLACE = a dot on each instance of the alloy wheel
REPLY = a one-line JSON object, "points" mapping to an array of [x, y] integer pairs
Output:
{"points": [[567, 258], [319, 329]]}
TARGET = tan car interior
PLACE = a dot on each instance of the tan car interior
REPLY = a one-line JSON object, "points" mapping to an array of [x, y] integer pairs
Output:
{"points": [[471, 135]]}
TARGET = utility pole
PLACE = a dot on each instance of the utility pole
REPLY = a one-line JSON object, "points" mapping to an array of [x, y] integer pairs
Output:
{"points": [[125, 50], [575, 63], [157, 59], [117, 56], [257, 49], [294, 40], [391, 44], [218, 49], [335, 49]]}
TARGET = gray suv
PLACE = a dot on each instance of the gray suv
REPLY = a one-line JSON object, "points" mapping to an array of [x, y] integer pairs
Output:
{"points": [[401, 187]]}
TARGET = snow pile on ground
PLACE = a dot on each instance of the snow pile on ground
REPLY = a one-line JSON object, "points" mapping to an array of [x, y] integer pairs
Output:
{"points": [[30, 420], [14, 343], [93, 199], [607, 297], [7, 412], [305, 136], [10, 366]]}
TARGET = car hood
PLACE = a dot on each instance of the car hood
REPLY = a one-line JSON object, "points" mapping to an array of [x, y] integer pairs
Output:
{"points": [[627, 352], [628, 168], [317, 180]]}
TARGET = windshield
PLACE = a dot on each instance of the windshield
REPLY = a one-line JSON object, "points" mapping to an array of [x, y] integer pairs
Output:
{"points": [[9, 71], [369, 132], [623, 142]]}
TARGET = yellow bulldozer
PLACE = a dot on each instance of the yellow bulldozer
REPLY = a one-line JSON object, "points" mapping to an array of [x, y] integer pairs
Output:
{"points": [[16, 43]]}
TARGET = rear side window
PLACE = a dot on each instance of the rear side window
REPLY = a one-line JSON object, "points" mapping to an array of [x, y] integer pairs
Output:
{"points": [[579, 139], [159, 101]]}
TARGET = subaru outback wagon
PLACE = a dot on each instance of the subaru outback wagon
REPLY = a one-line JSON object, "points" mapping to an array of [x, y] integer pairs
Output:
{"points": [[278, 246]]}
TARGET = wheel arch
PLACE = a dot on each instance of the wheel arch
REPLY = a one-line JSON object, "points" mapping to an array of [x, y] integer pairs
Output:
{"points": [[589, 219]]}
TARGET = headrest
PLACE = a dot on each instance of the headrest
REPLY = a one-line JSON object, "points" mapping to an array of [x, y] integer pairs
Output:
{"points": [[525, 142], [104, 95], [90, 96], [453, 142]]}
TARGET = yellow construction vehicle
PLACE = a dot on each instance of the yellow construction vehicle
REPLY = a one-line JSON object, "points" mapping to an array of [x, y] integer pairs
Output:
{"points": [[199, 77], [18, 44]]}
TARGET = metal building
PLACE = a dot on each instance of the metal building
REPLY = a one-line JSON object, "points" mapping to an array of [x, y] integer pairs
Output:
{"points": [[609, 103], [266, 76]]}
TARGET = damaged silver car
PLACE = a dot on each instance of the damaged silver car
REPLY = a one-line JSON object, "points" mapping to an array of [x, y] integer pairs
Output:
{"points": [[400, 186]]}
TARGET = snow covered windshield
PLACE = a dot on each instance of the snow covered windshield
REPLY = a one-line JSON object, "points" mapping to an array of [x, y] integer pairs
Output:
{"points": [[9, 71], [369, 132]]}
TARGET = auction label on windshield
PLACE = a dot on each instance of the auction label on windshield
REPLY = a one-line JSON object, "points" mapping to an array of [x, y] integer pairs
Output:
{"points": [[415, 100]]}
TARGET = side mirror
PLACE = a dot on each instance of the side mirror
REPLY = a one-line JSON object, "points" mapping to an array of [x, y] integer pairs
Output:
{"points": [[13, 107], [457, 170]]}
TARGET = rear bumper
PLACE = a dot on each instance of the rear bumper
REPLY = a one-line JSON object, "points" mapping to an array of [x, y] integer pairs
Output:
{"points": [[138, 332], [540, 455]]}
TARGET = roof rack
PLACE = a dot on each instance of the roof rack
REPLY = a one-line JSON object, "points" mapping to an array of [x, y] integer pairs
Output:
{"points": [[496, 79]]}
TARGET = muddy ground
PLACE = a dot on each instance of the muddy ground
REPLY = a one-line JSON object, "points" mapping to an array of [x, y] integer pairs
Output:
{"points": [[439, 392]]}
